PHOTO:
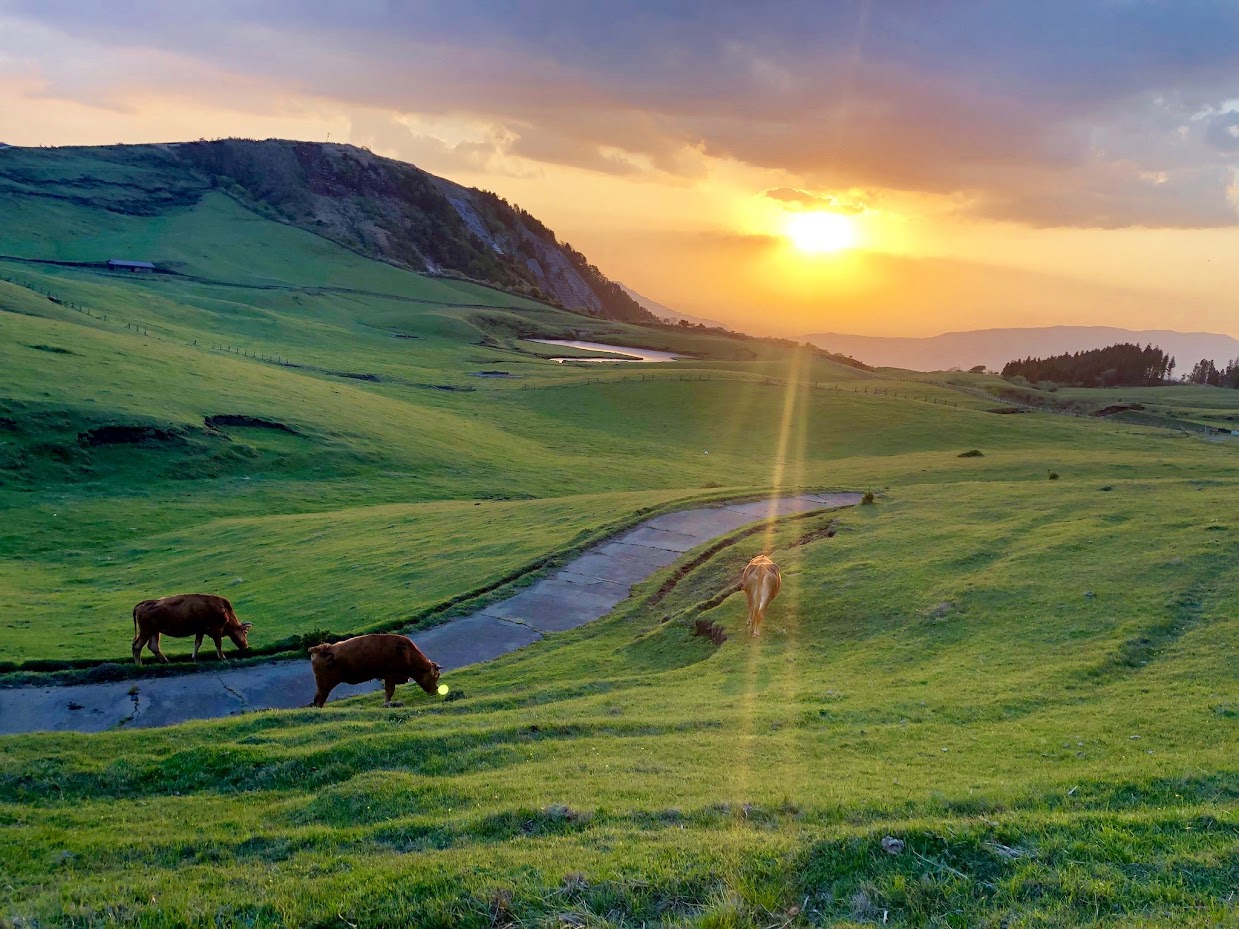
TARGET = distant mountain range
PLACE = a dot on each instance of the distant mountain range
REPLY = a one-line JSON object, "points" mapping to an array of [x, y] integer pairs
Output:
{"points": [[662, 311], [995, 347]]}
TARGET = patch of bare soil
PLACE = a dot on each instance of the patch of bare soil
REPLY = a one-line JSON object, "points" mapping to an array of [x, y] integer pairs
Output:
{"points": [[128, 435], [710, 630], [223, 420], [822, 532]]}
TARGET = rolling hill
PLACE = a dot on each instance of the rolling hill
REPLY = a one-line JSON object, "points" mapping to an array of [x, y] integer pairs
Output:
{"points": [[376, 206], [995, 347], [1003, 695], [662, 311]]}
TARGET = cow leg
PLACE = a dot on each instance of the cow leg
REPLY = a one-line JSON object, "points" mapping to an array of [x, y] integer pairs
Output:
{"points": [[139, 643], [197, 645], [389, 691], [219, 646], [324, 691], [154, 647]]}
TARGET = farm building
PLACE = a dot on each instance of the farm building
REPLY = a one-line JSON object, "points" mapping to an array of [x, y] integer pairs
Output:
{"points": [[120, 264]]}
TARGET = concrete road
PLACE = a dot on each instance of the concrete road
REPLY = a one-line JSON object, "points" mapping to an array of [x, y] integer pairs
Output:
{"points": [[586, 589]]}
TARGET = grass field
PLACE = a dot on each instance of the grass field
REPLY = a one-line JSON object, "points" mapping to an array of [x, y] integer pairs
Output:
{"points": [[1030, 682], [1040, 703]]}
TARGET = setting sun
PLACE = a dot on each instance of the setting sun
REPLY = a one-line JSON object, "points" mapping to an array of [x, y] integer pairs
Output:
{"points": [[820, 232]]}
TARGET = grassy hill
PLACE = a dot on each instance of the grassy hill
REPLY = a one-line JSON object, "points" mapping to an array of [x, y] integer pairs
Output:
{"points": [[373, 206], [1030, 682]]}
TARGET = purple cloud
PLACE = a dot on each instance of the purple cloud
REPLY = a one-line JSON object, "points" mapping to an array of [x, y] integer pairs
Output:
{"points": [[1056, 113]]}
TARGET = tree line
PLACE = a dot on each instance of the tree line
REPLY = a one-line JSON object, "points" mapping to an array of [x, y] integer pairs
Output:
{"points": [[1121, 365], [1206, 372]]}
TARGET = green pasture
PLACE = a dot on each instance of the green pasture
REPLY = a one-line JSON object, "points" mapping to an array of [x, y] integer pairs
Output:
{"points": [[1012, 678], [1020, 663]]}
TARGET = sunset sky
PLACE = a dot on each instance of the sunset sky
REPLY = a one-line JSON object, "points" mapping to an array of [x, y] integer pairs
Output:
{"points": [[968, 164]]}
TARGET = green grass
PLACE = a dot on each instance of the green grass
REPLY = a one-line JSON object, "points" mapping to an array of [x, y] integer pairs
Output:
{"points": [[1031, 683], [347, 570], [629, 772]]}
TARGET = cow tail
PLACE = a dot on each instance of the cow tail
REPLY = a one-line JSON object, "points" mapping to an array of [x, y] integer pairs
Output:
{"points": [[135, 618], [766, 594]]}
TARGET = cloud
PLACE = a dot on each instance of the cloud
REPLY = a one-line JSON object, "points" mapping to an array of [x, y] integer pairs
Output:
{"points": [[1222, 131], [802, 198], [1062, 112]]}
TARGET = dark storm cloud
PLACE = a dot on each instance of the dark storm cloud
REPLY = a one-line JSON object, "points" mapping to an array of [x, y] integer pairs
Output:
{"points": [[1112, 112]]}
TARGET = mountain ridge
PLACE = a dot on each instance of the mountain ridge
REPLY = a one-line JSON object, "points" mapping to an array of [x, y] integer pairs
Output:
{"points": [[662, 311], [379, 207], [995, 347]]}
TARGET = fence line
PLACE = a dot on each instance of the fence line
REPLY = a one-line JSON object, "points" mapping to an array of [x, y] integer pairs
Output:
{"points": [[643, 377]]}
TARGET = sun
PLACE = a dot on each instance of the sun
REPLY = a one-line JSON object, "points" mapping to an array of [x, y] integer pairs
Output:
{"points": [[820, 232]]}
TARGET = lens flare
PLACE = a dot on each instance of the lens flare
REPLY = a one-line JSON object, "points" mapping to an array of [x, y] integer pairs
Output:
{"points": [[443, 688]]}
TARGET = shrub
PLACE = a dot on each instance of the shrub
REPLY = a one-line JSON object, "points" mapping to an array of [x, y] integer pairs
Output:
{"points": [[867, 499], [1053, 475], [972, 453]]}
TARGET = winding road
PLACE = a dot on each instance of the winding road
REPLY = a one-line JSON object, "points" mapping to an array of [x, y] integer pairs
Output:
{"points": [[585, 589]]}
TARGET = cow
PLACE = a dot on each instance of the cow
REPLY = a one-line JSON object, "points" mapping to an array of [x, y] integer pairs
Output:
{"points": [[183, 615], [760, 582], [393, 659]]}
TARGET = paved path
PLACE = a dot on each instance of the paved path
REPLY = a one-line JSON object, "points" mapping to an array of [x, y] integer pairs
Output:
{"points": [[586, 589]]}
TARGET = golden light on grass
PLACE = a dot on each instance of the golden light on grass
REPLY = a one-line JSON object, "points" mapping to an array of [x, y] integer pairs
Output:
{"points": [[819, 232]]}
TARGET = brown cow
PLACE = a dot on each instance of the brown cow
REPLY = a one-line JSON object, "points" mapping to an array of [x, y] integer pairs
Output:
{"points": [[760, 581], [184, 615], [391, 658]]}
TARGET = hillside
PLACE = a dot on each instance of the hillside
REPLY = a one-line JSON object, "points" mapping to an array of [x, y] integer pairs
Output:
{"points": [[376, 206], [1019, 662], [662, 311], [995, 347]]}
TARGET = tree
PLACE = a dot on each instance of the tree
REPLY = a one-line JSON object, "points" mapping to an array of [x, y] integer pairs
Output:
{"points": [[1124, 364]]}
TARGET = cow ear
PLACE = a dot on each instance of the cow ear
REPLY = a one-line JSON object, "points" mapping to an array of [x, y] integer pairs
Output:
{"points": [[247, 626], [436, 666]]}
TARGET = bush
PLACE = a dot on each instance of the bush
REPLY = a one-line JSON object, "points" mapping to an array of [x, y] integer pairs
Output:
{"points": [[1053, 475], [867, 499], [972, 453]]}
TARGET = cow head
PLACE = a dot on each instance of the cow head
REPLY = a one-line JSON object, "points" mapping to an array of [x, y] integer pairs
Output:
{"points": [[428, 679], [240, 635]]}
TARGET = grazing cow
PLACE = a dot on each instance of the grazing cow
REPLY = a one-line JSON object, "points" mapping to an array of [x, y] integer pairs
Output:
{"points": [[760, 581], [184, 615], [390, 658]]}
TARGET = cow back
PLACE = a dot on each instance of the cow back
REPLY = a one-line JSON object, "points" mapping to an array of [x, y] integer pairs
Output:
{"points": [[367, 657], [184, 615]]}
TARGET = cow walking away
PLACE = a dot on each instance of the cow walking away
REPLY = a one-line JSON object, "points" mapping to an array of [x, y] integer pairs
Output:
{"points": [[760, 581], [199, 615], [393, 659]]}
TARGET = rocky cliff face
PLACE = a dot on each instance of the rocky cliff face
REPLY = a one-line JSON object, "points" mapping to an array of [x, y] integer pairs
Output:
{"points": [[396, 212]]}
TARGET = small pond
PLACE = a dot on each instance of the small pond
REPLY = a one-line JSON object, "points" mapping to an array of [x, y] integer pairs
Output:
{"points": [[630, 354]]}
